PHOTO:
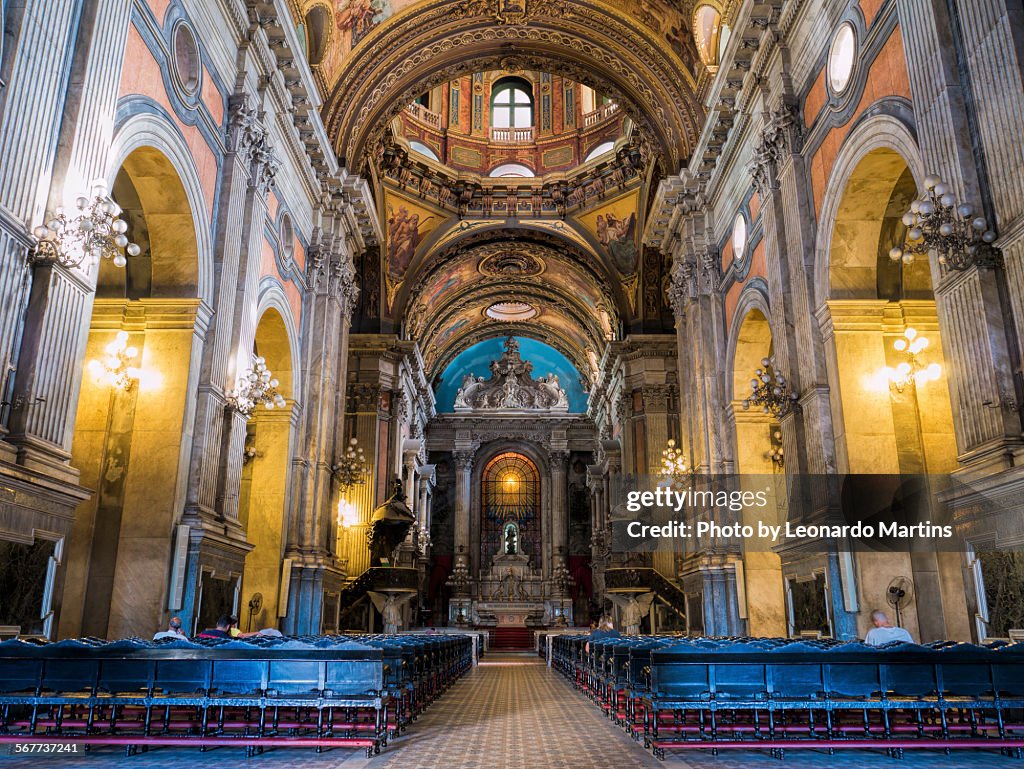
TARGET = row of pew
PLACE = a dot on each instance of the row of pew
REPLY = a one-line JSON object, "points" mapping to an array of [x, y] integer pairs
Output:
{"points": [[354, 691], [676, 692]]}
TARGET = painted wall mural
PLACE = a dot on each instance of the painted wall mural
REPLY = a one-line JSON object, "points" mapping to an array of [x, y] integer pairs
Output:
{"points": [[615, 227], [407, 224]]}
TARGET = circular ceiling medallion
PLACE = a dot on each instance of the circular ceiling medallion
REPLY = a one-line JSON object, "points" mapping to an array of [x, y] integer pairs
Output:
{"points": [[511, 311], [511, 263]]}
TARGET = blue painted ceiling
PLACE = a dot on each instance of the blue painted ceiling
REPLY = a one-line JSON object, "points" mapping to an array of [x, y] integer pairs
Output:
{"points": [[476, 360]]}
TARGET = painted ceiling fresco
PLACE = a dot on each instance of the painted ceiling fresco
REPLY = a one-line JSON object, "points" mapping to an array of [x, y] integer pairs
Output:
{"points": [[352, 21], [575, 308]]}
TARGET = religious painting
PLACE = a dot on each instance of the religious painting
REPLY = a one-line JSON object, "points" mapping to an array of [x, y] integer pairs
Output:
{"points": [[357, 18], [615, 227], [407, 224]]}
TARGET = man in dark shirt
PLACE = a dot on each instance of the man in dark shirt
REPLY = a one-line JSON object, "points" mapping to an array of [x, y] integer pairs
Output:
{"points": [[223, 629], [605, 629]]}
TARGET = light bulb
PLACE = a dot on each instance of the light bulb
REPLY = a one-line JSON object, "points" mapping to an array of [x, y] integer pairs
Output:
{"points": [[122, 337], [965, 211], [131, 352], [133, 250], [119, 260], [903, 368], [900, 344], [896, 254], [934, 371], [910, 333]]}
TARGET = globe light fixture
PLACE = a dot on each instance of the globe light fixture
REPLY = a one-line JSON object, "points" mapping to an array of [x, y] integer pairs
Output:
{"points": [[351, 468], [910, 370], [256, 387], [96, 232], [116, 368], [674, 467], [770, 390], [938, 223]]}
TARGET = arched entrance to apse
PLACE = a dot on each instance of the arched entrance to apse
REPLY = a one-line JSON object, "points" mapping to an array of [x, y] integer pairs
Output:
{"points": [[263, 492], [875, 313], [131, 434], [758, 439]]}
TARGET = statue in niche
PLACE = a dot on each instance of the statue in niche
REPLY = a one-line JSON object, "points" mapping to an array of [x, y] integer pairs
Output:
{"points": [[511, 539]]}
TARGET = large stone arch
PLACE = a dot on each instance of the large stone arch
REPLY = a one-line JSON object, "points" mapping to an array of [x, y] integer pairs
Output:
{"points": [[589, 42], [149, 130], [881, 132]]}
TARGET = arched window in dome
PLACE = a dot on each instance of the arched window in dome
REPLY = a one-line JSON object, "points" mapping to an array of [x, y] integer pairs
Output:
{"points": [[512, 104], [708, 33], [423, 149], [512, 169], [317, 28], [599, 150]]}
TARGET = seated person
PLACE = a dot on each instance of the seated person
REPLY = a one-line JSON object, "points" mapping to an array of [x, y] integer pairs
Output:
{"points": [[173, 631], [884, 633], [223, 629], [605, 629]]}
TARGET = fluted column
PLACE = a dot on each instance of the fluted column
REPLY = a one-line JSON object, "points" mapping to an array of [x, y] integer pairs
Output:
{"points": [[973, 311], [56, 321], [215, 429]]}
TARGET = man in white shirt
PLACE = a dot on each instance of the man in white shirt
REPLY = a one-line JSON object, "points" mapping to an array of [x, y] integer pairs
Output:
{"points": [[173, 630], [884, 633]]}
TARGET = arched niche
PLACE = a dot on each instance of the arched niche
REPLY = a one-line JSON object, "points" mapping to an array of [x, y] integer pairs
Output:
{"points": [[264, 489]]}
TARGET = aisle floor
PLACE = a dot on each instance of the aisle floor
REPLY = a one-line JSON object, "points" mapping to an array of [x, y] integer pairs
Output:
{"points": [[512, 712]]}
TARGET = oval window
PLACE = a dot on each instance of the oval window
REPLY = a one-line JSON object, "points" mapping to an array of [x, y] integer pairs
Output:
{"points": [[739, 235], [186, 59], [841, 58]]}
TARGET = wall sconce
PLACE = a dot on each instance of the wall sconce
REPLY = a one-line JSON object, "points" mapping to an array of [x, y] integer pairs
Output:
{"points": [[910, 370], [936, 222], [348, 514], [770, 391], [116, 368], [97, 232], [776, 453], [254, 388], [351, 468]]}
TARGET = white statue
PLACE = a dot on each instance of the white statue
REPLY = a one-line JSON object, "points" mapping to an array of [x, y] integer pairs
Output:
{"points": [[633, 608], [390, 605]]}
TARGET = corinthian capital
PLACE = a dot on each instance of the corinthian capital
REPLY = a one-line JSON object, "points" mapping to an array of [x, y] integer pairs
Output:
{"points": [[249, 139]]}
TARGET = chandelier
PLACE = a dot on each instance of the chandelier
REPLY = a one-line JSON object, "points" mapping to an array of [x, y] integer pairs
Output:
{"points": [[910, 369], [116, 368], [97, 232], [936, 222], [770, 391], [254, 388], [674, 467], [351, 469]]}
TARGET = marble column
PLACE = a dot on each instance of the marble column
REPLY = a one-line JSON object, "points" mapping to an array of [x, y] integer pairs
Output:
{"points": [[66, 142], [559, 461], [463, 489], [973, 307]]}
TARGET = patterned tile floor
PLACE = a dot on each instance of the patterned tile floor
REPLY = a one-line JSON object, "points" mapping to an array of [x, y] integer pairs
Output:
{"points": [[514, 713]]}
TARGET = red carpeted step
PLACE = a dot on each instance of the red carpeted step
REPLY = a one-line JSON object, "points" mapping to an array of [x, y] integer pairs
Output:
{"points": [[511, 638]]}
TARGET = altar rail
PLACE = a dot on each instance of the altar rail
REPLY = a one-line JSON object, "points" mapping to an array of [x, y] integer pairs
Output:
{"points": [[330, 691], [677, 693]]}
